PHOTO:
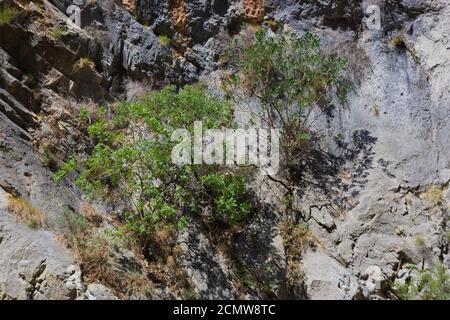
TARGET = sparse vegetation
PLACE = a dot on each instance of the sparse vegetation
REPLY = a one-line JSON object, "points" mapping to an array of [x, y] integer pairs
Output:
{"points": [[376, 110], [427, 284], [399, 41], [419, 241], [164, 41], [95, 253], [57, 32], [7, 14], [296, 239], [433, 194], [131, 157], [25, 212], [84, 63]]}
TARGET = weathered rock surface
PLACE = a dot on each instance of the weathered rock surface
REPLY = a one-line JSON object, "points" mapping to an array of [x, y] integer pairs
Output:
{"points": [[33, 264], [97, 291], [384, 173]]}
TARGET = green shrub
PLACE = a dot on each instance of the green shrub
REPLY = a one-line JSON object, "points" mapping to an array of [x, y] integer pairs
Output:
{"points": [[164, 41], [57, 32], [230, 194], [131, 157], [429, 284], [399, 41], [7, 14], [291, 77]]}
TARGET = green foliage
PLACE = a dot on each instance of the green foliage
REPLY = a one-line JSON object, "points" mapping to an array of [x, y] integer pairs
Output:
{"points": [[291, 77], [131, 157], [84, 115], [7, 14], [429, 284], [230, 194], [164, 41], [289, 74], [57, 32], [68, 166], [72, 222]]}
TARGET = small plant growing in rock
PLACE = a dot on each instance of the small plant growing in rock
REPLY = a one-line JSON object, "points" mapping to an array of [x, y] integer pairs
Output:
{"points": [[296, 239], [7, 14], [84, 63], [25, 212], [164, 41], [419, 241], [428, 284], [399, 41], [400, 231], [294, 83], [376, 110], [131, 156], [433, 194], [57, 32], [84, 115]]}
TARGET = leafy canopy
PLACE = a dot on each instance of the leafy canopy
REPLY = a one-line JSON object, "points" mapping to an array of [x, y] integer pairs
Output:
{"points": [[131, 158]]}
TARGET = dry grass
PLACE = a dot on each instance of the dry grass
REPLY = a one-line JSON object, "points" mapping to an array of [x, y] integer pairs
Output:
{"points": [[25, 212], [91, 214], [84, 63], [137, 285], [95, 254], [433, 194], [7, 14], [296, 239], [419, 241], [164, 263]]}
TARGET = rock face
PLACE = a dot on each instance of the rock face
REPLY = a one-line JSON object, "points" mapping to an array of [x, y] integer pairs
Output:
{"points": [[97, 291], [33, 265], [401, 105], [378, 202]]}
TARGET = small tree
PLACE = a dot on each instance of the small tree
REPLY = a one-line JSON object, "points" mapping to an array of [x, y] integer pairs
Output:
{"points": [[131, 158], [292, 79]]}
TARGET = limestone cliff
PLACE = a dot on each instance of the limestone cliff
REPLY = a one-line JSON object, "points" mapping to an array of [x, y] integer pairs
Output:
{"points": [[377, 197]]}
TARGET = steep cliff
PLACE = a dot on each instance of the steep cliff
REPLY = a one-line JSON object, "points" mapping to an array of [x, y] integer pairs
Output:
{"points": [[377, 193]]}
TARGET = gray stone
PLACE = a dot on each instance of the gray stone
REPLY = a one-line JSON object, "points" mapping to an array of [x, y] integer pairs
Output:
{"points": [[97, 291]]}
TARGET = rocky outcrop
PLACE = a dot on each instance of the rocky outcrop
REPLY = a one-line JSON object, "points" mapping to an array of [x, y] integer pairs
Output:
{"points": [[254, 9], [377, 197], [130, 5], [33, 265]]}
